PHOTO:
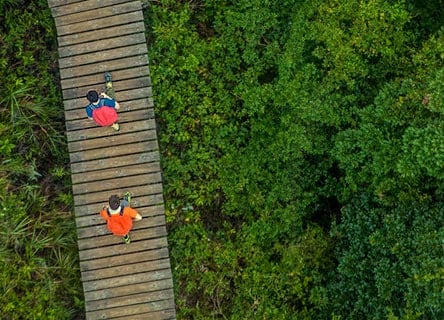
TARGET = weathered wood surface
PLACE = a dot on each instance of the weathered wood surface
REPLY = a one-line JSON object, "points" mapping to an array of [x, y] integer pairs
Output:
{"points": [[120, 281]]}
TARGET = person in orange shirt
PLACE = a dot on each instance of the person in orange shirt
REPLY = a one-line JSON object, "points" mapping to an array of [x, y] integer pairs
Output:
{"points": [[119, 216]]}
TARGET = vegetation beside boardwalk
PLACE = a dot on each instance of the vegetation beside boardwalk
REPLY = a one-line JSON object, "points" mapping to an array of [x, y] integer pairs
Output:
{"points": [[303, 152], [39, 268], [302, 149]]}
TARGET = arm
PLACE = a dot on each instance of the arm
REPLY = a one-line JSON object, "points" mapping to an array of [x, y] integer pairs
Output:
{"points": [[132, 213], [103, 213], [89, 113], [104, 95], [116, 104]]}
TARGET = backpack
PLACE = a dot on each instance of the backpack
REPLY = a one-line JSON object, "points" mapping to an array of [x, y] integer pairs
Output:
{"points": [[119, 224], [103, 115]]}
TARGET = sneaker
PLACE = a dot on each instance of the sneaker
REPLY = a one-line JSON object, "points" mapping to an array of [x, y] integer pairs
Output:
{"points": [[127, 196], [108, 77], [115, 126], [126, 239]]}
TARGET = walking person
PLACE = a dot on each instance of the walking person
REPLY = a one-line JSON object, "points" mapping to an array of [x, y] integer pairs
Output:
{"points": [[119, 216], [102, 107]]}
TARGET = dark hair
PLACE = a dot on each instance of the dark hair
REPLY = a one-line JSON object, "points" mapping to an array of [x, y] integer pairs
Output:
{"points": [[114, 202], [92, 96]]}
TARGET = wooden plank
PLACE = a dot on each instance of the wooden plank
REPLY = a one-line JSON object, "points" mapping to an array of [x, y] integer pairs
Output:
{"points": [[122, 248], [114, 162], [119, 85], [98, 78], [124, 259], [102, 197], [129, 289], [63, 7], [110, 239], [116, 182], [100, 11], [111, 32], [134, 183], [146, 309], [101, 234], [102, 44], [121, 95], [113, 150], [56, 3], [145, 212], [97, 57], [136, 267], [112, 184], [108, 173], [95, 203], [99, 68], [79, 114], [115, 140], [169, 314], [99, 132], [122, 280], [99, 23], [129, 300]]}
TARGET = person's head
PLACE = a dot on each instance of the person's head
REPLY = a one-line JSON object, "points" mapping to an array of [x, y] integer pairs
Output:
{"points": [[114, 202], [92, 96]]}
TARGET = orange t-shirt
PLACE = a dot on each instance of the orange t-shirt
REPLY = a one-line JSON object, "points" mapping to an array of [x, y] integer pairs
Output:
{"points": [[118, 224], [127, 211]]}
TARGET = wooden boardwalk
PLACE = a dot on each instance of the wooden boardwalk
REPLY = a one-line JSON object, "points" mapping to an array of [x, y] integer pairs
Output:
{"points": [[120, 281]]}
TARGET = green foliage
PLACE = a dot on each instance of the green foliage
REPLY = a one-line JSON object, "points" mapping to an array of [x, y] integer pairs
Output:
{"points": [[39, 275], [29, 99], [301, 141], [28, 120], [281, 279], [391, 259], [41, 247]]}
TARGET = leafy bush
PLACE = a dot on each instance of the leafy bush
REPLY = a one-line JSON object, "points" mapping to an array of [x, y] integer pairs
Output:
{"points": [[299, 140]]}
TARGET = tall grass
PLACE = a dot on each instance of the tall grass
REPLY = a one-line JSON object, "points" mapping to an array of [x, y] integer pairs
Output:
{"points": [[39, 274], [29, 120]]}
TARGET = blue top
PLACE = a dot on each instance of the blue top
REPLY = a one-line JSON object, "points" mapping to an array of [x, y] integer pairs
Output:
{"points": [[102, 102]]}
